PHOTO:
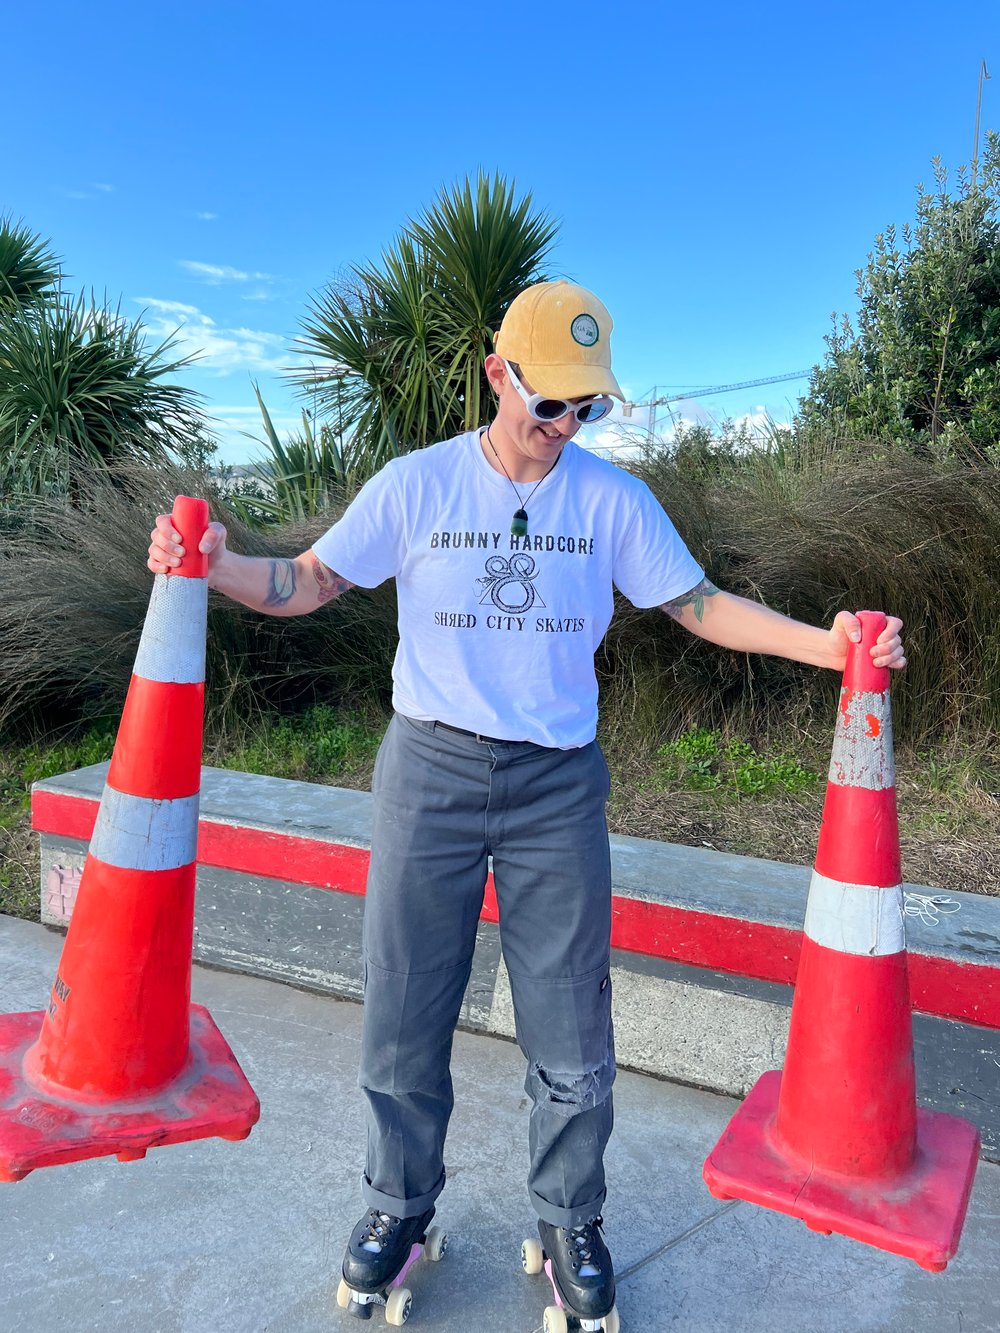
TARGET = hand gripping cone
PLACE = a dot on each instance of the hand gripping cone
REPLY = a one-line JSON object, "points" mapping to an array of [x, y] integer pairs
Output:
{"points": [[837, 1139], [122, 1061]]}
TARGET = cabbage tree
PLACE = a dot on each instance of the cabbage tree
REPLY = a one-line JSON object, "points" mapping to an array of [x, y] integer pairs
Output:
{"points": [[80, 387], [28, 268], [404, 339]]}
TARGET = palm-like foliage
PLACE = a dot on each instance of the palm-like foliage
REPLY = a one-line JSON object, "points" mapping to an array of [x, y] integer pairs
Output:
{"points": [[308, 474], [28, 268], [80, 385], [412, 332]]}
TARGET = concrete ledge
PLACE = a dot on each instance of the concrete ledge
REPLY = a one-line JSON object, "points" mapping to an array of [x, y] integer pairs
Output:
{"points": [[705, 944]]}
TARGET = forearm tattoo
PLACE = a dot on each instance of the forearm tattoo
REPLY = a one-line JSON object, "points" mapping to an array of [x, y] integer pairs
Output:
{"points": [[281, 584], [696, 598], [330, 584]]}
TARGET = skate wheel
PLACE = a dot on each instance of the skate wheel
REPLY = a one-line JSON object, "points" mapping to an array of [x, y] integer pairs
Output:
{"points": [[554, 1320], [343, 1295], [435, 1244], [397, 1307], [611, 1321], [532, 1256]]}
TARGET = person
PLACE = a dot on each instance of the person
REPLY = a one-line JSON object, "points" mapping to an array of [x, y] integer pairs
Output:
{"points": [[506, 544]]}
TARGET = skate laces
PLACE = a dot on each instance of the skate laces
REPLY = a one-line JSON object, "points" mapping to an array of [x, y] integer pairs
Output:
{"points": [[581, 1241], [377, 1231]]}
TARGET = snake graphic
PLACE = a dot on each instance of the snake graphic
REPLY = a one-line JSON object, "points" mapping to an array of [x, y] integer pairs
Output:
{"points": [[518, 571]]}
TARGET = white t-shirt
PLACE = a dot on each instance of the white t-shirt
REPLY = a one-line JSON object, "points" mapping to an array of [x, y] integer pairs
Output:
{"points": [[497, 633]]}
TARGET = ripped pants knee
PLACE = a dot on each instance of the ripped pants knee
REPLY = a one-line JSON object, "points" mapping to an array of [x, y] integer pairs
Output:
{"points": [[569, 1094]]}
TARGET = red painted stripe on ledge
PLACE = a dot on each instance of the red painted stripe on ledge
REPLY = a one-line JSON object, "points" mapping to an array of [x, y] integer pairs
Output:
{"points": [[969, 992], [65, 816], [726, 944], [324, 865]]}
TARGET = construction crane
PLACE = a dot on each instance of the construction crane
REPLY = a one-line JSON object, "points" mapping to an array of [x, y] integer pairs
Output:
{"points": [[717, 388], [654, 403]]}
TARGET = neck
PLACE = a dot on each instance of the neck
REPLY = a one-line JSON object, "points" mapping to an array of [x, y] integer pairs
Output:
{"points": [[503, 457]]}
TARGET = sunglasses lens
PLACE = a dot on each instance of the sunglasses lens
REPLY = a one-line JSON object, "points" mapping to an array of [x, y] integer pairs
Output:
{"points": [[551, 409], [595, 411]]}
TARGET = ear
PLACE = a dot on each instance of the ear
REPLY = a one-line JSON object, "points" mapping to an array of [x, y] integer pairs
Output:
{"points": [[495, 372]]}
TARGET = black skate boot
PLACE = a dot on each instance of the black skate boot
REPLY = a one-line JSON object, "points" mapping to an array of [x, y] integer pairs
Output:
{"points": [[380, 1253], [577, 1263]]}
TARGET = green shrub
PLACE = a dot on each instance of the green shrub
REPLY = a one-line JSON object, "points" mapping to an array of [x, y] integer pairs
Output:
{"points": [[922, 365], [319, 745], [702, 760]]}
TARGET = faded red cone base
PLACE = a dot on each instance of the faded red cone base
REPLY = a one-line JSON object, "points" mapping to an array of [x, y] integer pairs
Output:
{"points": [[918, 1214], [209, 1098]]}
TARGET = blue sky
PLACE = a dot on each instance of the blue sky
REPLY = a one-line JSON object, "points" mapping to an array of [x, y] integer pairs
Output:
{"points": [[718, 172]]}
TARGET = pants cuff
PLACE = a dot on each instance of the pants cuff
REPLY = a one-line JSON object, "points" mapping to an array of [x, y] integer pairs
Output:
{"points": [[567, 1217], [388, 1203]]}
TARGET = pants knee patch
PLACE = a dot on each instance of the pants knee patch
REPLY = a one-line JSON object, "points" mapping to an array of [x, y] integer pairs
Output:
{"points": [[409, 1021]]}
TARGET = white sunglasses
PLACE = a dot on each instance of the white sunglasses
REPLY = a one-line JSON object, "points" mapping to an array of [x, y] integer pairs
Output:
{"points": [[551, 409]]}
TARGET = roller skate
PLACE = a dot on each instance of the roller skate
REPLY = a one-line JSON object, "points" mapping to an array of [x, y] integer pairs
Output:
{"points": [[577, 1263], [381, 1252]]}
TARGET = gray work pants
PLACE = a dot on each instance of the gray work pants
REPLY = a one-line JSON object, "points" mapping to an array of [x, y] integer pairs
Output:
{"points": [[443, 803]]}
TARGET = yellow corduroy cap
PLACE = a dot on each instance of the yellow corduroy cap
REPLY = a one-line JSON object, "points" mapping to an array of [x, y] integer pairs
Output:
{"points": [[560, 336]]}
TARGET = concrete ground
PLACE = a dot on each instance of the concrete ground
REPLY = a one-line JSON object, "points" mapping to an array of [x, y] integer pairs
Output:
{"points": [[215, 1236]]}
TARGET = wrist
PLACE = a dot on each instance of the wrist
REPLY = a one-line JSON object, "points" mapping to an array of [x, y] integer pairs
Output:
{"points": [[219, 565], [835, 651]]}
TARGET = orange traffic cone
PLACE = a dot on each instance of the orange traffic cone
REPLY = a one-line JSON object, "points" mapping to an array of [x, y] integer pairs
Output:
{"points": [[122, 1061], [837, 1139]]}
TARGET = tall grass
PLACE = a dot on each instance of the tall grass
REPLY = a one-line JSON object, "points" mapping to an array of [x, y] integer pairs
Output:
{"points": [[811, 533], [803, 530], [74, 590]]}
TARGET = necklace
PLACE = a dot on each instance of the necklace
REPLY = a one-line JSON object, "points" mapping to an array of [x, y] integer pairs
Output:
{"points": [[519, 523]]}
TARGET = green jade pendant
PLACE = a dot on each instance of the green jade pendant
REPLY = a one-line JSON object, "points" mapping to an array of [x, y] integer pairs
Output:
{"points": [[519, 524]]}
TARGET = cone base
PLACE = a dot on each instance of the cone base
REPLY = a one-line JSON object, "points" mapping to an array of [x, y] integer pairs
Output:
{"points": [[209, 1098], [918, 1214]]}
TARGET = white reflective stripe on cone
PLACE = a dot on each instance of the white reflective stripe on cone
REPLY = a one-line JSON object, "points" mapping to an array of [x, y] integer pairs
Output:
{"points": [[172, 647], [862, 743], [855, 918], [137, 833]]}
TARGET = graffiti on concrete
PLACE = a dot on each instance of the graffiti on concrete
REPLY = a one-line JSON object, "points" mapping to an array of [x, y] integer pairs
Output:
{"points": [[930, 907]]}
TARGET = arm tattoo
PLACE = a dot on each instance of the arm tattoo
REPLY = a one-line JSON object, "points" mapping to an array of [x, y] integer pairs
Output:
{"points": [[696, 598], [281, 587], [330, 584]]}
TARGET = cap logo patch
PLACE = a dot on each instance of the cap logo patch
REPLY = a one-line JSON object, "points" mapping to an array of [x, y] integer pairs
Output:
{"points": [[584, 330]]}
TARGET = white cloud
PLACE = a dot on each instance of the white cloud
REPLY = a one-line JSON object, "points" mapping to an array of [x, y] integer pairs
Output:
{"points": [[218, 349], [88, 193], [239, 430], [216, 273], [206, 217], [177, 308]]}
